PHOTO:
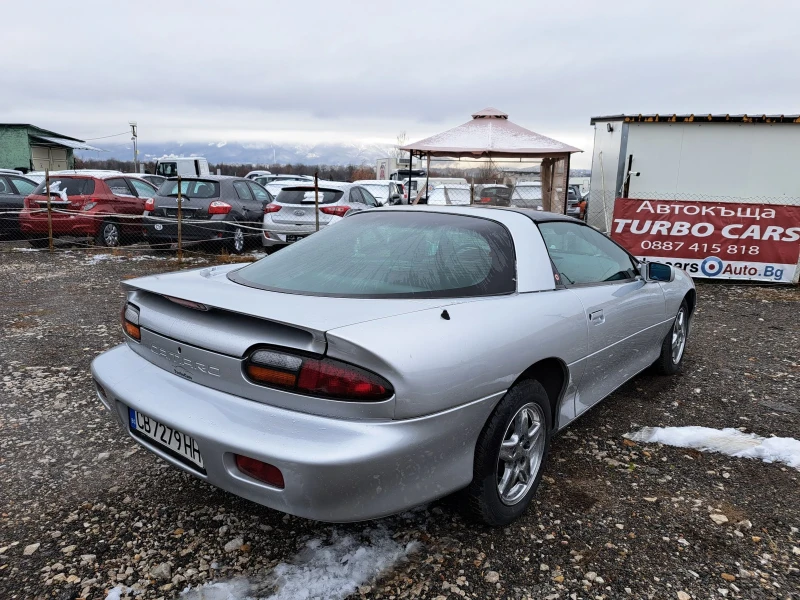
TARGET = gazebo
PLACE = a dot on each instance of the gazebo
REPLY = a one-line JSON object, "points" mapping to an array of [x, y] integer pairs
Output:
{"points": [[490, 135]]}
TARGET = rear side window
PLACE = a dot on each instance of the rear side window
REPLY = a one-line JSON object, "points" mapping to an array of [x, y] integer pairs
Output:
{"points": [[306, 196], [5, 188], [119, 187], [242, 190], [194, 188], [73, 186], [399, 255], [24, 187], [260, 193]]}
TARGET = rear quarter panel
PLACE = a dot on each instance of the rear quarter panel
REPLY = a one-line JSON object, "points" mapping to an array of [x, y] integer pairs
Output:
{"points": [[435, 364]]}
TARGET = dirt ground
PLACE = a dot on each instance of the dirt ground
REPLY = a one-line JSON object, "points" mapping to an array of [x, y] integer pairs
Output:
{"points": [[85, 510]]}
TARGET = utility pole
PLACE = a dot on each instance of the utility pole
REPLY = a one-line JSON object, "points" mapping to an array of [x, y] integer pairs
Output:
{"points": [[135, 139]]}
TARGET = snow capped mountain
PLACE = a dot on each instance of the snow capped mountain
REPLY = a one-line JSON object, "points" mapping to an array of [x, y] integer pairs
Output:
{"points": [[249, 153]]}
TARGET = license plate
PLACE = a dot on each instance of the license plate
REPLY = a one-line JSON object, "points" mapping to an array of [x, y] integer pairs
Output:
{"points": [[166, 437], [294, 238]]}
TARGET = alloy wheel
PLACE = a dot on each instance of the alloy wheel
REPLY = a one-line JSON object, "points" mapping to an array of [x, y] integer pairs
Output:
{"points": [[679, 336], [110, 234], [521, 453], [238, 240]]}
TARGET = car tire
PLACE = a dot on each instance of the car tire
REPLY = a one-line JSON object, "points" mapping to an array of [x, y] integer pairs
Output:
{"points": [[237, 240], [109, 234], [518, 469], [673, 348]]}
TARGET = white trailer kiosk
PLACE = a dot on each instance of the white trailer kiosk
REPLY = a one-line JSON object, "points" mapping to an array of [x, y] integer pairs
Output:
{"points": [[713, 194]]}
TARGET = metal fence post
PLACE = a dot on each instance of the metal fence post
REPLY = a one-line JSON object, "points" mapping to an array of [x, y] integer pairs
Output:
{"points": [[316, 197], [49, 209], [472, 192], [180, 241]]}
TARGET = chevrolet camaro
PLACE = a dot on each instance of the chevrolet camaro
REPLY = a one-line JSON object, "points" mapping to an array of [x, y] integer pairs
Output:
{"points": [[405, 354]]}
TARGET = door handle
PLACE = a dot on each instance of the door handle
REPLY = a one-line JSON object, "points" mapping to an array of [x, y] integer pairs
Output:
{"points": [[597, 317]]}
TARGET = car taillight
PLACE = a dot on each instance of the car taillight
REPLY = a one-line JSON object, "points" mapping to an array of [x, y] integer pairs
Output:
{"points": [[323, 377], [485, 200], [130, 321], [89, 205], [337, 211], [260, 470], [150, 204], [271, 208], [217, 207]]}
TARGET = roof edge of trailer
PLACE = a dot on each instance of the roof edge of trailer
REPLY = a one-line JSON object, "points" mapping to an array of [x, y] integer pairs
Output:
{"points": [[698, 118]]}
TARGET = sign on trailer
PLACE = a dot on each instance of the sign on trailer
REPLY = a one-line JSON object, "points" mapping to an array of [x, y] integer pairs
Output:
{"points": [[715, 240]]}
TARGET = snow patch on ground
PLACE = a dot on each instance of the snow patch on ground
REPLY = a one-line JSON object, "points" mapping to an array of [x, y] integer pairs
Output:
{"points": [[98, 258], [331, 570], [727, 441], [116, 592]]}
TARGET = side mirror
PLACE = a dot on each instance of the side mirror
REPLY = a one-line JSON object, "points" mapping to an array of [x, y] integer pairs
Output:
{"points": [[659, 272]]}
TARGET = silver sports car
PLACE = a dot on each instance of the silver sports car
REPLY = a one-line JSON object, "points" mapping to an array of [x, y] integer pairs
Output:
{"points": [[403, 355]]}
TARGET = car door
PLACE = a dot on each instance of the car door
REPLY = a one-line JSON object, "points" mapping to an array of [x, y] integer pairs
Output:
{"points": [[248, 208], [10, 207], [262, 198], [624, 313]]}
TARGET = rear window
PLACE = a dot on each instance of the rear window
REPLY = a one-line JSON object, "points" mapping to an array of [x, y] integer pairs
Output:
{"points": [[194, 188], [74, 186], [306, 196], [393, 255]]}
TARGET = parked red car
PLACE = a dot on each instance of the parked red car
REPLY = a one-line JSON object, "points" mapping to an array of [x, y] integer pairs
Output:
{"points": [[106, 206]]}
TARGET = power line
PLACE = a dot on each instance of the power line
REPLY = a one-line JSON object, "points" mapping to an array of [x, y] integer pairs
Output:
{"points": [[107, 136]]}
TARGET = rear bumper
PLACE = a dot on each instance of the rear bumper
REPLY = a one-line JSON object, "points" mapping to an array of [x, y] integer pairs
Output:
{"points": [[35, 222], [162, 229], [335, 470]]}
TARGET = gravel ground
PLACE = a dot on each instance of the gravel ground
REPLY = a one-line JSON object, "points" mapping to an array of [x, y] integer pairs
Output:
{"points": [[86, 513]]}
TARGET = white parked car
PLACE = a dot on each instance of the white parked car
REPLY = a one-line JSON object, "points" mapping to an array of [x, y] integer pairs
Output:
{"points": [[254, 174], [448, 194], [291, 216], [386, 191]]}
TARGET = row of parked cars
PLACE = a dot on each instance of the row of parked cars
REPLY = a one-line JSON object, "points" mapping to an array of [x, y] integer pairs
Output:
{"points": [[227, 212]]}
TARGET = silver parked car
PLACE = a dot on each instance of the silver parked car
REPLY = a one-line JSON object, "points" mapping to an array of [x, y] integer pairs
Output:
{"points": [[403, 355], [385, 191], [292, 216]]}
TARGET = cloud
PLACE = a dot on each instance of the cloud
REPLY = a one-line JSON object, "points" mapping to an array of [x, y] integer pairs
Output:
{"points": [[359, 70]]}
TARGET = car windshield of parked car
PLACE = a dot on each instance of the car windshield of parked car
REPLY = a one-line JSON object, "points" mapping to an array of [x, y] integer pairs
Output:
{"points": [[167, 169], [449, 194], [305, 195], [73, 186], [393, 255], [527, 196], [380, 191], [194, 188]]}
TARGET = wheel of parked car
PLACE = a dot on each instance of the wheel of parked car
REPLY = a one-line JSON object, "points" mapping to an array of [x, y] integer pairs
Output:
{"points": [[510, 455], [108, 234], [236, 241], [672, 349]]}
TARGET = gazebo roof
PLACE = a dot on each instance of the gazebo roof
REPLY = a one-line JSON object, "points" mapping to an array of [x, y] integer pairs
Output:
{"points": [[490, 134]]}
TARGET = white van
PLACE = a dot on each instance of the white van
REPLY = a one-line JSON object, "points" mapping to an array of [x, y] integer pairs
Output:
{"points": [[192, 166]]}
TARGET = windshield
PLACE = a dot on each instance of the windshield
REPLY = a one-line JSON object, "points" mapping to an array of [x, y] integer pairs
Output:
{"points": [[393, 255], [377, 190], [306, 196], [449, 195], [167, 169], [73, 186], [194, 188]]}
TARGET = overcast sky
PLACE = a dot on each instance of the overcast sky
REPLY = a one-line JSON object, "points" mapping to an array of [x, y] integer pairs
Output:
{"points": [[320, 71]]}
